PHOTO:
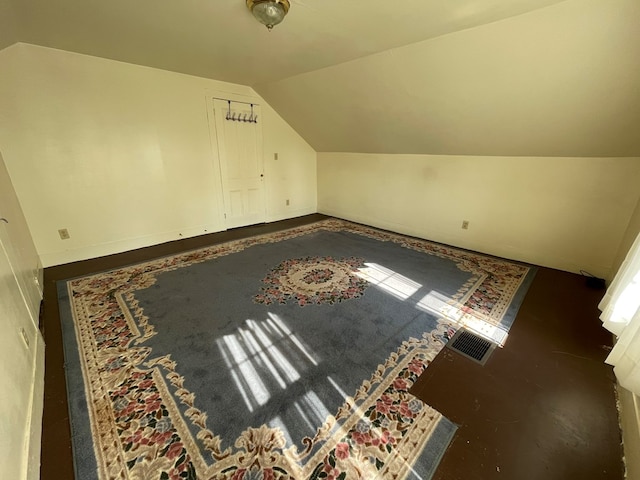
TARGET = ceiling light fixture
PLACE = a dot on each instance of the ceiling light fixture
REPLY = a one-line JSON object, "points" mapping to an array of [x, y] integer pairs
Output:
{"points": [[269, 12]]}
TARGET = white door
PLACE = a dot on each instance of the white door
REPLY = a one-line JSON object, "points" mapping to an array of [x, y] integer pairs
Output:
{"points": [[18, 245], [241, 164], [16, 370], [21, 345]]}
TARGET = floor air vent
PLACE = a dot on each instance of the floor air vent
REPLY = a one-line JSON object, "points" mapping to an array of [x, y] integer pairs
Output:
{"points": [[471, 346]]}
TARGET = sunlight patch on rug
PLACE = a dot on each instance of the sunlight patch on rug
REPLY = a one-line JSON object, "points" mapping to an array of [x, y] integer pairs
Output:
{"points": [[391, 282], [440, 305]]}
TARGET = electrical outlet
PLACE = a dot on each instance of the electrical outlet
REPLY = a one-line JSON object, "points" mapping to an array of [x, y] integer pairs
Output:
{"points": [[64, 234], [275, 156], [25, 337], [465, 224], [287, 202]]}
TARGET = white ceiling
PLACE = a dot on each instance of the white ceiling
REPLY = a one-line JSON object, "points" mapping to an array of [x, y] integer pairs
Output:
{"points": [[220, 39]]}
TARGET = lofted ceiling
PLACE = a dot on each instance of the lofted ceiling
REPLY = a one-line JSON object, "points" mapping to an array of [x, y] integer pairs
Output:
{"points": [[220, 39], [561, 81], [450, 77]]}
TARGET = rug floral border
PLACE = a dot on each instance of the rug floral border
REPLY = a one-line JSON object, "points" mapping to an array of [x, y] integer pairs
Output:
{"points": [[135, 420]]}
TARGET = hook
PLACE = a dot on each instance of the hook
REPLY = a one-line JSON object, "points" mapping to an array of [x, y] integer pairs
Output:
{"points": [[248, 117]]}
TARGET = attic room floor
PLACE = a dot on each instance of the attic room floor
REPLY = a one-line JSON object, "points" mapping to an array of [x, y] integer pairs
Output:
{"points": [[542, 407]]}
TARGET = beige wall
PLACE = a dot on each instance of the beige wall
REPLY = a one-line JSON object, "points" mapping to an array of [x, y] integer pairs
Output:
{"points": [[121, 156], [293, 175], [566, 213], [560, 81]]}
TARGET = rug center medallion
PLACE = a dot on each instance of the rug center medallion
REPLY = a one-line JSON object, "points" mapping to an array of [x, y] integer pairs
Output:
{"points": [[313, 280]]}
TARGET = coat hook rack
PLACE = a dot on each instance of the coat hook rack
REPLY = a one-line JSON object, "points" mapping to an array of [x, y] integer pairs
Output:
{"points": [[241, 117]]}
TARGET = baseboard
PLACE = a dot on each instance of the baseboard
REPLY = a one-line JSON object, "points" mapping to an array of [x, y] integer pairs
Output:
{"points": [[34, 436], [286, 214], [630, 424], [503, 251], [94, 251]]}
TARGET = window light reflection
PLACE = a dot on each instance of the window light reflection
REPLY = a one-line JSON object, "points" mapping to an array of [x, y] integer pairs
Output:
{"points": [[250, 340], [277, 422], [274, 352], [244, 373], [627, 304], [435, 303], [392, 282], [337, 387], [259, 356], [277, 322], [311, 409], [442, 306]]}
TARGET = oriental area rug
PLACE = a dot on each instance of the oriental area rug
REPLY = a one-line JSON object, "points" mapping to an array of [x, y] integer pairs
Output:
{"points": [[282, 356]]}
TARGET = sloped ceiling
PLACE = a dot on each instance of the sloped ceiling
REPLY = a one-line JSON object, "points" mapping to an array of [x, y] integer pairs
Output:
{"points": [[220, 39], [8, 20], [481, 77], [562, 81]]}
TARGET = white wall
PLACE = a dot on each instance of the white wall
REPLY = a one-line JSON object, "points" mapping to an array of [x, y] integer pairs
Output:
{"points": [[120, 155], [565, 213], [21, 345]]}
